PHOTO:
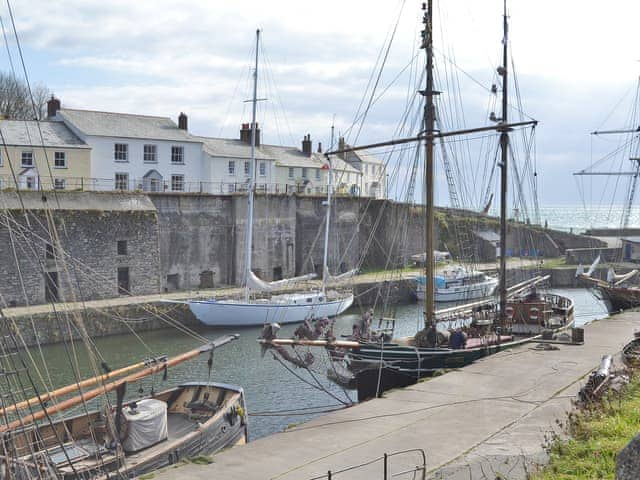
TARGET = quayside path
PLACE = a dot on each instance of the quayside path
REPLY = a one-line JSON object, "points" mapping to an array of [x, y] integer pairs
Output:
{"points": [[222, 292], [484, 419]]}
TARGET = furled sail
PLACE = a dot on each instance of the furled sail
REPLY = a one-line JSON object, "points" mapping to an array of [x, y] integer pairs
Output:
{"points": [[256, 284], [328, 278]]}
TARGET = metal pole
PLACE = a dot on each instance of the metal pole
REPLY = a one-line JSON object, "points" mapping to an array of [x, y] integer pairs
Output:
{"points": [[252, 177]]}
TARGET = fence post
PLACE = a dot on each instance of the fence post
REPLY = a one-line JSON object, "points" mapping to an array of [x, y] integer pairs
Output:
{"points": [[385, 466]]}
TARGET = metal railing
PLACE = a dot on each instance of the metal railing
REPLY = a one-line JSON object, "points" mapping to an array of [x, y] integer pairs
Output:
{"points": [[147, 185], [381, 467]]}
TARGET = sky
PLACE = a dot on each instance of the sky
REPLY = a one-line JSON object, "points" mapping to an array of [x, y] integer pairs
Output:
{"points": [[576, 61]]}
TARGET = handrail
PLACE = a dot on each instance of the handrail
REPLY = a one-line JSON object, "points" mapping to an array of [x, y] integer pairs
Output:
{"points": [[386, 475]]}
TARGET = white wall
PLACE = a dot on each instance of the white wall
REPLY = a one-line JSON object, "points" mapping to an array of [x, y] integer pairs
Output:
{"points": [[216, 172], [104, 166]]}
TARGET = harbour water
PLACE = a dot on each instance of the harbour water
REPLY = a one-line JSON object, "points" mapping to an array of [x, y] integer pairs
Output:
{"points": [[579, 218], [277, 395]]}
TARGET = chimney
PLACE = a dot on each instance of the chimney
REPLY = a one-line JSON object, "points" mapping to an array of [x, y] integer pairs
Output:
{"points": [[53, 105], [182, 121], [306, 144], [341, 146], [319, 147], [245, 133]]}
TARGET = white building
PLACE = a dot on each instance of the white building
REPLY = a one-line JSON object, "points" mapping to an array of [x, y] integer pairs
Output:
{"points": [[373, 179], [136, 152]]}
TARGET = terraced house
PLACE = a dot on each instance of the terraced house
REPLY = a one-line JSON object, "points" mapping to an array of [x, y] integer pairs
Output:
{"points": [[44, 155], [135, 152]]}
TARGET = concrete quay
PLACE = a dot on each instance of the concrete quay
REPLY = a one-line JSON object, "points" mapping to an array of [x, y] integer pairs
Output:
{"points": [[489, 418]]}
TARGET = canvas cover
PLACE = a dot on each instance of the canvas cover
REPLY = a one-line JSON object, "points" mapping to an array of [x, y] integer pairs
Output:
{"points": [[147, 424]]}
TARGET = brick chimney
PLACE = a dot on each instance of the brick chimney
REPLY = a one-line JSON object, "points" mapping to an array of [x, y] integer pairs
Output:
{"points": [[306, 144], [182, 121], [53, 105], [245, 133], [341, 146]]}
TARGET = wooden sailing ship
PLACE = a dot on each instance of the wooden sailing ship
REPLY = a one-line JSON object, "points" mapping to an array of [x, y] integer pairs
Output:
{"points": [[521, 314], [128, 439]]}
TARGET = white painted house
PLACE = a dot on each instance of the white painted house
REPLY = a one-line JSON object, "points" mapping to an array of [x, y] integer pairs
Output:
{"points": [[373, 171], [136, 152]]}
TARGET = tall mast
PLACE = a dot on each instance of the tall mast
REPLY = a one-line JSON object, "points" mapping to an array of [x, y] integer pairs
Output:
{"points": [[504, 148], [325, 258], [429, 129], [252, 176]]}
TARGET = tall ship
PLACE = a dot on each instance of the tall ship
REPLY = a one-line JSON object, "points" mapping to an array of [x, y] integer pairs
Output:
{"points": [[452, 337]]}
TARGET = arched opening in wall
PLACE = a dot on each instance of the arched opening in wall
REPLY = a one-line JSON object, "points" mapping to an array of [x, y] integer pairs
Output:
{"points": [[173, 282], [207, 279]]}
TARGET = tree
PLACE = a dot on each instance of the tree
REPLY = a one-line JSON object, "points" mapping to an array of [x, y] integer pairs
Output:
{"points": [[16, 103]]}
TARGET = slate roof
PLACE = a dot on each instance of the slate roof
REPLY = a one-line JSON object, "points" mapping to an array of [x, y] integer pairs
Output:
{"points": [[283, 156], [231, 148], [109, 124], [27, 134]]}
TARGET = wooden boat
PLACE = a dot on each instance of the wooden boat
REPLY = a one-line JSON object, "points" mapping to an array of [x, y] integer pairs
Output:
{"points": [[616, 292], [128, 439], [631, 353], [451, 337]]}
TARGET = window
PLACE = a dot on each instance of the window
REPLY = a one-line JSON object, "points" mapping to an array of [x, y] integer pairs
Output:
{"points": [[317, 174], [60, 160], [48, 252], [366, 169], [232, 167], [59, 183], [177, 154], [291, 170], [247, 168], [304, 172], [122, 181], [177, 183], [150, 154], [122, 247], [27, 158], [263, 169], [121, 152]]}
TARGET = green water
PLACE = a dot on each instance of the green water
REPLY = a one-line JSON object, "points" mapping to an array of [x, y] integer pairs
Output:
{"points": [[269, 387]]}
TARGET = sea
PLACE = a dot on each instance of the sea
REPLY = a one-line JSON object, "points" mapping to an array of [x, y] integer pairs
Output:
{"points": [[579, 218]]}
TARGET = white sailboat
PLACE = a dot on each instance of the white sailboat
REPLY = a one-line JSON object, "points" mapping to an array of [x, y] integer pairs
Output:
{"points": [[282, 308]]}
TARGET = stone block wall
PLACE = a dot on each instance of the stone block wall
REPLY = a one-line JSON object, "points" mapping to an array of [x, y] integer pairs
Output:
{"points": [[82, 258]]}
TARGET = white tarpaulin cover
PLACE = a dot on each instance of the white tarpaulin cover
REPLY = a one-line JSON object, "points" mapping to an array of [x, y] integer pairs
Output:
{"points": [[147, 424]]}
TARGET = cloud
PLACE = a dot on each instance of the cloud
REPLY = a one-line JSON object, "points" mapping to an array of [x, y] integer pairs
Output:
{"points": [[317, 59]]}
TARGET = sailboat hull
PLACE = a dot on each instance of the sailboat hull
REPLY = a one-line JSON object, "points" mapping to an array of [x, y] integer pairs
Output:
{"points": [[281, 309]]}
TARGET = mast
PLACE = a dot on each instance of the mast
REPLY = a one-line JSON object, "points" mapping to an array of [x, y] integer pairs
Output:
{"points": [[504, 148], [252, 176], [325, 258], [429, 129]]}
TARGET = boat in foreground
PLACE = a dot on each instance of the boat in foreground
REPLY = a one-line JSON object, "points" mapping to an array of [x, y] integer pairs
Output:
{"points": [[41, 439]]}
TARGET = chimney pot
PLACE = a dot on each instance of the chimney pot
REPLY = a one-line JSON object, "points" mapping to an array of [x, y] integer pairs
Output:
{"points": [[306, 144], [319, 147], [53, 105], [182, 121]]}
